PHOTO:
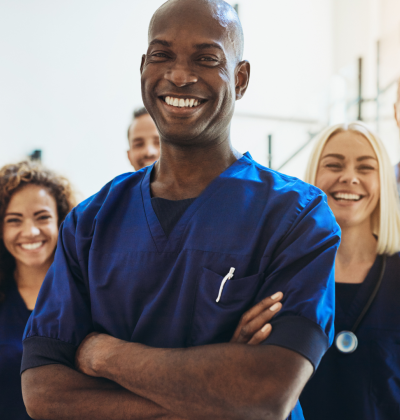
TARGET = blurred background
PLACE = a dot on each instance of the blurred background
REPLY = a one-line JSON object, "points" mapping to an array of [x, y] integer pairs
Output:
{"points": [[69, 79]]}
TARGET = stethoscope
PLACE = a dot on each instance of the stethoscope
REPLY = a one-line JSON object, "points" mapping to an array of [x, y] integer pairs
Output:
{"points": [[346, 341]]}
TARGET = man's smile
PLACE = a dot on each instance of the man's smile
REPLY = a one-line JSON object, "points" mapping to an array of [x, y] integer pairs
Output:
{"points": [[182, 102], [182, 105]]}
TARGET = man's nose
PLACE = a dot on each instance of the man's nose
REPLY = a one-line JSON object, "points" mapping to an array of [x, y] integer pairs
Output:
{"points": [[29, 229], [350, 177], [152, 151], [181, 75]]}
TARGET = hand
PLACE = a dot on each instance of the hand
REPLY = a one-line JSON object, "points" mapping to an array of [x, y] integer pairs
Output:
{"points": [[253, 327], [93, 351]]}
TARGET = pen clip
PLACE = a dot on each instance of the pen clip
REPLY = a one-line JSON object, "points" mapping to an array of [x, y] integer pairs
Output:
{"points": [[224, 280]]}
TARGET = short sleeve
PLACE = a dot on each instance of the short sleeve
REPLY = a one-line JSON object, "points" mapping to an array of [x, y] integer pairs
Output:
{"points": [[302, 267], [61, 318]]}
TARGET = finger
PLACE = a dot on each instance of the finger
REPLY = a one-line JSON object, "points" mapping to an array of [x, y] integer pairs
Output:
{"points": [[260, 335], [256, 310], [247, 331], [258, 322], [261, 306]]}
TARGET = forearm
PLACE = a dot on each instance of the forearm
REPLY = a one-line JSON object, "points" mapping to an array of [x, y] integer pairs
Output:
{"points": [[57, 392], [224, 381]]}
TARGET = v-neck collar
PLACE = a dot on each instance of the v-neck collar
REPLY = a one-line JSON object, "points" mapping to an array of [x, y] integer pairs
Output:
{"points": [[170, 243], [16, 297], [347, 319]]}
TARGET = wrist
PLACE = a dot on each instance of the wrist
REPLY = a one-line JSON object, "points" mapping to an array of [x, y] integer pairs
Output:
{"points": [[118, 354], [106, 355]]}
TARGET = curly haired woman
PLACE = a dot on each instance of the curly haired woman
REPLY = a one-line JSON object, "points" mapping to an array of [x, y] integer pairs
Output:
{"points": [[33, 203]]}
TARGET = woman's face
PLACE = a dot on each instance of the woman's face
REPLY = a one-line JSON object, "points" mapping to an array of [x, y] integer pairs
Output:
{"points": [[348, 173], [30, 227]]}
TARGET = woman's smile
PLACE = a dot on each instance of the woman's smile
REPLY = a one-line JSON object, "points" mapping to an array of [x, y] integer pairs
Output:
{"points": [[348, 173]]}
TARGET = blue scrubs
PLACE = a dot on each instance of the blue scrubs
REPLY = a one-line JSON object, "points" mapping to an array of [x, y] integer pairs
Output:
{"points": [[117, 272], [364, 384], [13, 318]]}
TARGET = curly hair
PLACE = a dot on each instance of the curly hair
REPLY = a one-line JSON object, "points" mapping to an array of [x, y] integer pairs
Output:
{"points": [[15, 177]]}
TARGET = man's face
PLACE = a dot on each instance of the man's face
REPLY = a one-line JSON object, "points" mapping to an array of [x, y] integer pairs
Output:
{"points": [[189, 76], [144, 142]]}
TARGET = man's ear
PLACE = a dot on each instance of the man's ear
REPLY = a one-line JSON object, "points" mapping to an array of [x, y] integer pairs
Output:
{"points": [[142, 63], [242, 77]]}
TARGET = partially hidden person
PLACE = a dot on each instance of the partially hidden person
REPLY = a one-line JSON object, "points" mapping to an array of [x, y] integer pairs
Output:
{"points": [[359, 377], [397, 119], [33, 203], [143, 140], [152, 275]]}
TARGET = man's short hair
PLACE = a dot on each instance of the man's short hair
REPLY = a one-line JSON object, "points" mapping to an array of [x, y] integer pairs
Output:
{"points": [[138, 112]]}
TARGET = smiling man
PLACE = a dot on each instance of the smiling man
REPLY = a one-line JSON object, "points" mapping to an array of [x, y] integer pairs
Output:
{"points": [[152, 274], [143, 139]]}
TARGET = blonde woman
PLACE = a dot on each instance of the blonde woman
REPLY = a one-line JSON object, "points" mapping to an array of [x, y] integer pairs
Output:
{"points": [[359, 377]]}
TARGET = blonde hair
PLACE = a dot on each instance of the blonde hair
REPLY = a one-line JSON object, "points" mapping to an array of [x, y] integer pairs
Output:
{"points": [[386, 217]]}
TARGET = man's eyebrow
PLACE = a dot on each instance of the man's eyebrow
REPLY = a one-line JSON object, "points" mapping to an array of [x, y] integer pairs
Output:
{"points": [[157, 41], [335, 155], [359, 159], [206, 45]]}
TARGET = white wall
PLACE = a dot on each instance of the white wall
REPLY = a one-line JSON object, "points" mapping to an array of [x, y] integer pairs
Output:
{"points": [[357, 26], [69, 79], [289, 44]]}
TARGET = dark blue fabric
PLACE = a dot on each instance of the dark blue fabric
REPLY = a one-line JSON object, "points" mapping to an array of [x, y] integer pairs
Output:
{"points": [[13, 317], [169, 212], [364, 384], [116, 271], [345, 294], [300, 335]]}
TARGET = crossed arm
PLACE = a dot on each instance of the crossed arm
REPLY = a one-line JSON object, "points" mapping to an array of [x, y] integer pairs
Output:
{"points": [[122, 380]]}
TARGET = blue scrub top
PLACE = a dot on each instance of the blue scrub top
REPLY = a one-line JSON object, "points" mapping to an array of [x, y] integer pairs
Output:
{"points": [[117, 272], [364, 384], [13, 317]]}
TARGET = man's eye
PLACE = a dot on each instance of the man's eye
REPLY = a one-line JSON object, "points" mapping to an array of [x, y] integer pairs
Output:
{"points": [[159, 55], [207, 59]]}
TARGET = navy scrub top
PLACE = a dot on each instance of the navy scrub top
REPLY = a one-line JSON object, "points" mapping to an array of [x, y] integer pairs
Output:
{"points": [[117, 272], [364, 384], [13, 317]]}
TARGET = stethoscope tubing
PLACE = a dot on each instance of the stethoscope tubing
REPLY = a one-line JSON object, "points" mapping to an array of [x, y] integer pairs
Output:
{"points": [[346, 341]]}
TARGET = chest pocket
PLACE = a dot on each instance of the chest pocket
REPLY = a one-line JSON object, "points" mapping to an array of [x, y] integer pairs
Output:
{"points": [[215, 322], [385, 377]]}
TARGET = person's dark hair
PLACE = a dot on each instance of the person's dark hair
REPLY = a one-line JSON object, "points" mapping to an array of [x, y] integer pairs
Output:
{"points": [[15, 177], [138, 112]]}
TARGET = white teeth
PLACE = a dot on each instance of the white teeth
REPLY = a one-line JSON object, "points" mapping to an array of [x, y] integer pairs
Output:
{"points": [[347, 196], [181, 102], [31, 246]]}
